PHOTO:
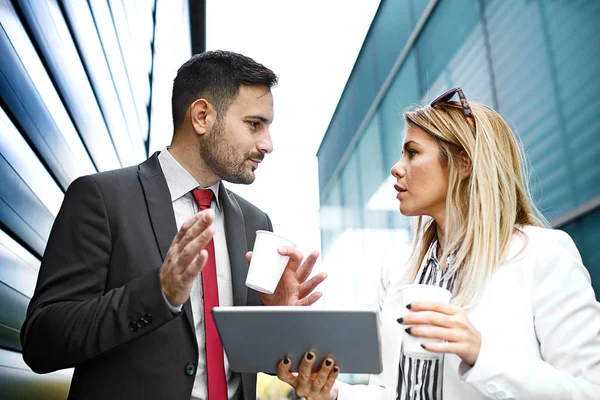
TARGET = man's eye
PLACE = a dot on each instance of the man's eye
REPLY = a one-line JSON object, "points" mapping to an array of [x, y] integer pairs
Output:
{"points": [[254, 124]]}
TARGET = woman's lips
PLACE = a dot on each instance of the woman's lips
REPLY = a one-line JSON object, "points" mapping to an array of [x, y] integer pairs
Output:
{"points": [[400, 190]]}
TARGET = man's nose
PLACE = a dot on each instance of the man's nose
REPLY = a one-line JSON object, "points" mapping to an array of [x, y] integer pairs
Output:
{"points": [[265, 144]]}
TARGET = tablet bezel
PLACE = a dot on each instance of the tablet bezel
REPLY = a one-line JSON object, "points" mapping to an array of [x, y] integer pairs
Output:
{"points": [[256, 338]]}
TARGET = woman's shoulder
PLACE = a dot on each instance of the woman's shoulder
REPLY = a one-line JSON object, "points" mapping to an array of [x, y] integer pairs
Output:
{"points": [[544, 243], [543, 236]]}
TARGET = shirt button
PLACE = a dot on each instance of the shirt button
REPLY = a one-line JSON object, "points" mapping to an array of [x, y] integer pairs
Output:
{"points": [[190, 369], [133, 326]]}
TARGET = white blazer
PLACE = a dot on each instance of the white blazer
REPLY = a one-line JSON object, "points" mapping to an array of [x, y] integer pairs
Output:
{"points": [[540, 327]]}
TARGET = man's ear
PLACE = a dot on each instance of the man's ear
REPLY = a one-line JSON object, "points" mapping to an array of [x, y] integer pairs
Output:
{"points": [[466, 164], [202, 116]]}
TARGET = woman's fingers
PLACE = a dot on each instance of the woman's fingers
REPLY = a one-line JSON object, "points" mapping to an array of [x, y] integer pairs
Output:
{"points": [[446, 347], [314, 386], [323, 374], [335, 371], [304, 374], [284, 374], [447, 323], [434, 332], [436, 306], [427, 318]]}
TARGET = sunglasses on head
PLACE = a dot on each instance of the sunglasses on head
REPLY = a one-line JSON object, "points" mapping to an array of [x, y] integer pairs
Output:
{"points": [[446, 96]]}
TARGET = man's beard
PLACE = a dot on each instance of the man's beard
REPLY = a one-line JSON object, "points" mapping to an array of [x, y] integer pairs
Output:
{"points": [[220, 157]]}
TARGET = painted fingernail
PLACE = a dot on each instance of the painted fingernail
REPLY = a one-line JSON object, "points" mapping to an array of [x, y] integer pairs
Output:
{"points": [[408, 306], [336, 369], [328, 363], [309, 356], [400, 320], [286, 361], [423, 346], [407, 330]]}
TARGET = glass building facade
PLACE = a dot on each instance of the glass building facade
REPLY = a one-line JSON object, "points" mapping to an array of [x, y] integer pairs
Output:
{"points": [[535, 61], [84, 87]]}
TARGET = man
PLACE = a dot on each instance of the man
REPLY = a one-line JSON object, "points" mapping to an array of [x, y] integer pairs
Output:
{"points": [[122, 294]]}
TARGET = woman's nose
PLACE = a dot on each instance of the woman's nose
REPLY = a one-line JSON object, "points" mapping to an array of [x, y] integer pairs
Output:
{"points": [[397, 170]]}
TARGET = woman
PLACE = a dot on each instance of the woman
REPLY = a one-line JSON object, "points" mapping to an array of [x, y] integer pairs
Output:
{"points": [[523, 322]]}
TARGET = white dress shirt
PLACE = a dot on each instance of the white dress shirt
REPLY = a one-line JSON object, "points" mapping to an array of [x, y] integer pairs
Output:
{"points": [[181, 183]]}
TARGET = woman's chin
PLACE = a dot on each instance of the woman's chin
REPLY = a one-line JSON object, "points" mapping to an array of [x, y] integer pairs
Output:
{"points": [[407, 212]]}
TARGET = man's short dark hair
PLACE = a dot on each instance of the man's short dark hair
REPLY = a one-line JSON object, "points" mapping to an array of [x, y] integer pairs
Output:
{"points": [[215, 76]]}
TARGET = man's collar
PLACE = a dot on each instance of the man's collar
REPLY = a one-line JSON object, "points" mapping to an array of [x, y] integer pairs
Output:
{"points": [[179, 180]]}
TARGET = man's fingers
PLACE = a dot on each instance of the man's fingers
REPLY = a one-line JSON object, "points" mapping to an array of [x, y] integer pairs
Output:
{"points": [[295, 256], [185, 227], [249, 256], [197, 264], [203, 220], [190, 251], [306, 268], [284, 374], [307, 287], [310, 300]]}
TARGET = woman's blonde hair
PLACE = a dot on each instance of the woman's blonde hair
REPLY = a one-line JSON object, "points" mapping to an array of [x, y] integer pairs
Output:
{"points": [[488, 196]]}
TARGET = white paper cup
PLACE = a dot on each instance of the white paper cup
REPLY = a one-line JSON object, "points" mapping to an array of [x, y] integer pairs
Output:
{"points": [[411, 346], [267, 265]]}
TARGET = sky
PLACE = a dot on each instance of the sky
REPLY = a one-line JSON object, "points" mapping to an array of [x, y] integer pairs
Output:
{"points": [[312, 46]]}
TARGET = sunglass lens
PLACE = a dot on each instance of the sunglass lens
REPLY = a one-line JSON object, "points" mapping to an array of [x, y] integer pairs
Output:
{"points": [[443, 98]]}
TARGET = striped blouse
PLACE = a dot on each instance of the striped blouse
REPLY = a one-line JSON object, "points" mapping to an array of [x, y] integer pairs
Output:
{"points": [[421, 379]]}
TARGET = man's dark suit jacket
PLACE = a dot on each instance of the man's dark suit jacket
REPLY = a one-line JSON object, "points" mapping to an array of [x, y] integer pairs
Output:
{"points": [[98, 304]]}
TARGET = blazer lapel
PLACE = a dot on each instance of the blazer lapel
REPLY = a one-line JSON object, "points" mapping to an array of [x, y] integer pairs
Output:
{"points": [[159, 203], [235, 235], [160, 207]]}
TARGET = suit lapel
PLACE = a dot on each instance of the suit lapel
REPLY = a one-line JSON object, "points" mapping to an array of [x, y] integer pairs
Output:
{"points": [[235, 236], [160, 208], [159, 203]]}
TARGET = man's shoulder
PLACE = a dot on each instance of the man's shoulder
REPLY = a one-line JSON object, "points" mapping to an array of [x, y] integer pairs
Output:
{"points": [[245, 205], [126, 175], [121, 173], [106, 182], [113, 177]]}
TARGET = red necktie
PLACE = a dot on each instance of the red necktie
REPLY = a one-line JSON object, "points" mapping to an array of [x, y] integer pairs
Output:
{"points": [[215, 368]]}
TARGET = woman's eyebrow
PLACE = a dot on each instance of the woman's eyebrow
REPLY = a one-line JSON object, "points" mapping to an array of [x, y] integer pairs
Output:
{"points": [[406, 144]]}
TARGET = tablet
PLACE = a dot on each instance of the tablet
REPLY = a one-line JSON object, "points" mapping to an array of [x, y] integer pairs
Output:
{"points": [[255, 339]]}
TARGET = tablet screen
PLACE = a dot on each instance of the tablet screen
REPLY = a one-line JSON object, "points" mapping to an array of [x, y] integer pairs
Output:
{"points": [[255, 339]]}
